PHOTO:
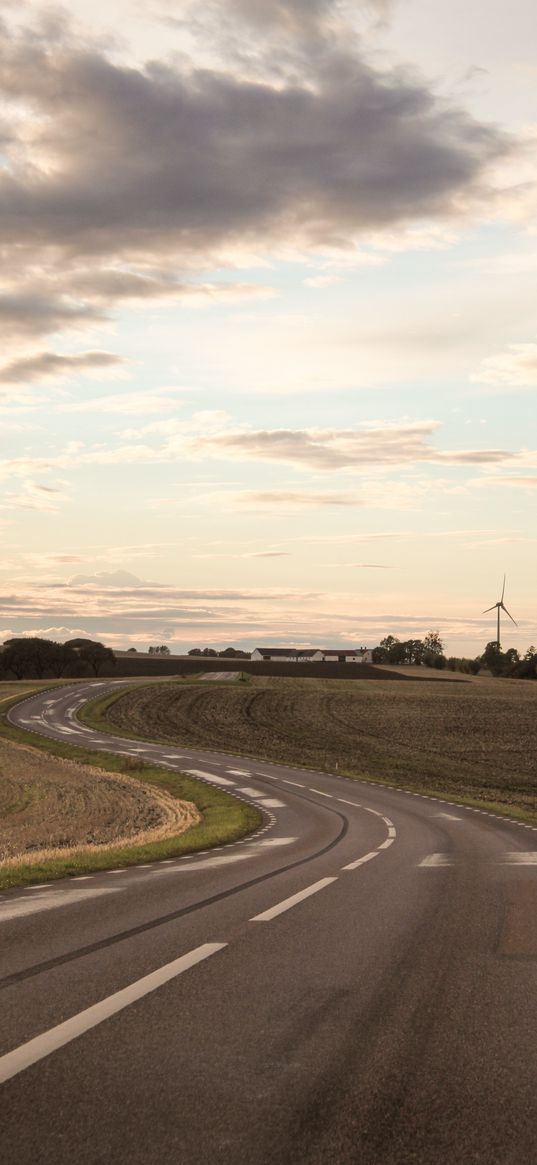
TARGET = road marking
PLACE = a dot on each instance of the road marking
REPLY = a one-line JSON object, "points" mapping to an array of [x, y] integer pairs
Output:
{"points": [[209, 777], [436, 860], [249, 792], [448, 816], [389, 841], [18, 908], [271, 803], [273, 911], [361, 861], [521, 859], [320, 793], [36, 1049], [238, 772], [270, 841], [355, 804]]}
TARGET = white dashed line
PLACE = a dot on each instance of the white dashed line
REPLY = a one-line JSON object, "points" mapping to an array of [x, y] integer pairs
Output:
{"points": [[36, 1049], [288, 903], [521, 859], [361, 861], [209, 777]]}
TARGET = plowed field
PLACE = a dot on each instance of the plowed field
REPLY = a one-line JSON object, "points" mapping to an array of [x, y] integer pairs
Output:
{"points": [[478, 739]]}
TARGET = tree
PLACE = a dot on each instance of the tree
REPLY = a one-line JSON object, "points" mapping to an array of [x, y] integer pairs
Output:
{"points": [[33, 656], [93, 653], [433, 643], [491, 656], [162, 650]]}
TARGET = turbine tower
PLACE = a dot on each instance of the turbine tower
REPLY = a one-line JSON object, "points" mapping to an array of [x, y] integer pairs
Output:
{"points": [[500, 606]]}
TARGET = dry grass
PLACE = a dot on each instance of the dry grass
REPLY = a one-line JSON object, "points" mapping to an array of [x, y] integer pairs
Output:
{"points": [[52, 807], [474, 740]]}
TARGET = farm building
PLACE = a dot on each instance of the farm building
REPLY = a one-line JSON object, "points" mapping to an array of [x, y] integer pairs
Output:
{"points": [[313, 654]]}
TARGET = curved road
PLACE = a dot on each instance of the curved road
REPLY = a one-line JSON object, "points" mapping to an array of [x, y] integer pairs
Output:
{"points": [[354, 983]]}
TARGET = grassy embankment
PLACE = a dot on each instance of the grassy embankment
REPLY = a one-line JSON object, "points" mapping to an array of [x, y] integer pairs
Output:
{"points": [[473, 742], [224, 819]]}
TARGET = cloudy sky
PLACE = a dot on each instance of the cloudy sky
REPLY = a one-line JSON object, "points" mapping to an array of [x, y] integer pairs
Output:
{"points": [[269, 360]]}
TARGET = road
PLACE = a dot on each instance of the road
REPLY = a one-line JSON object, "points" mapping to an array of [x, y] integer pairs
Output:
{"points": [[354, 983]]}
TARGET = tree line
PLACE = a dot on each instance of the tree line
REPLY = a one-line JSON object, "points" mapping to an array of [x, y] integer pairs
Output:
{"points": [[35, 658]]}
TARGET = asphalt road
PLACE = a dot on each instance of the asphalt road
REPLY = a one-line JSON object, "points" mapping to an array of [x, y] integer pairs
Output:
{"points": [[355, 983]]}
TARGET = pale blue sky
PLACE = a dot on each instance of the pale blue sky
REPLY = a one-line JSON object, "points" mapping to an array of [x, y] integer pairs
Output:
{"points": [[269, 315]]}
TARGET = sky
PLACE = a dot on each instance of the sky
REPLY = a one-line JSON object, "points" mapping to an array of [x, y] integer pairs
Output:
{"points": [[269, 361]]}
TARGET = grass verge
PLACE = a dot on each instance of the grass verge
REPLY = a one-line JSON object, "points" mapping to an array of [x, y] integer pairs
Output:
{"points": [[224, 818]]}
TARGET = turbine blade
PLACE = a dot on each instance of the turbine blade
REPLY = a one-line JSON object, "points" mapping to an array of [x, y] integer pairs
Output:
{"points": [[503, 589], [490, 608], [504, 608]]}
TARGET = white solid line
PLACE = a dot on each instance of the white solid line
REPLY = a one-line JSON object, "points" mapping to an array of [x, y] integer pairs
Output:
{"points": [[267, 915], [391, 831], [360, 861], [250, 792], [271, 803], [209, 777], [33, 1051], [389, 841]]}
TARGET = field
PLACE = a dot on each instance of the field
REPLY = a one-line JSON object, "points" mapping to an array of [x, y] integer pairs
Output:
{"points": [[475, 740], [49, 804]]}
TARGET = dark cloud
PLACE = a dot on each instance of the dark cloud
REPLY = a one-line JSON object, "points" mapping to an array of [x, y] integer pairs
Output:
{"points": [[46, 364], [125, 161], [29, 313]]}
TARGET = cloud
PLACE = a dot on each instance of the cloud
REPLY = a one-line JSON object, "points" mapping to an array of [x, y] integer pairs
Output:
{"points": [[328, 449], [184, 161], [295, 498], [116, 578], [47, 364], [514, 368], [522, 481], [29, 313], [135, 403], [34, 496]]}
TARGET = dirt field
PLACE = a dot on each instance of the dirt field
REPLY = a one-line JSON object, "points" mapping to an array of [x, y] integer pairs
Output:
{"points": [[476, 738], [51, 805]]}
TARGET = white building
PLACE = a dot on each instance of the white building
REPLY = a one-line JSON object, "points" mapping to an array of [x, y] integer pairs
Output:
{"points": [[313, 655]]}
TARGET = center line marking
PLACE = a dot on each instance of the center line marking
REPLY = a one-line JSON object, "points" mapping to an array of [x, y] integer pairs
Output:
{"points": [[273, 911], [361, 861], [320, 793], [33, 1051]]}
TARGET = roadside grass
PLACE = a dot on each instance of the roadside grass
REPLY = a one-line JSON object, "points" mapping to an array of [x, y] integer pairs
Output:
{"points": [[224, 818]]}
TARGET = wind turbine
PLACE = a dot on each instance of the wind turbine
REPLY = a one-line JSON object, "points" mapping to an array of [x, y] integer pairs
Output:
{"points": [[500, 606]]}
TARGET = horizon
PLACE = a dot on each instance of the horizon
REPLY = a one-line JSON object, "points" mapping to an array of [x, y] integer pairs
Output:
{"points": [[270, 349]]}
